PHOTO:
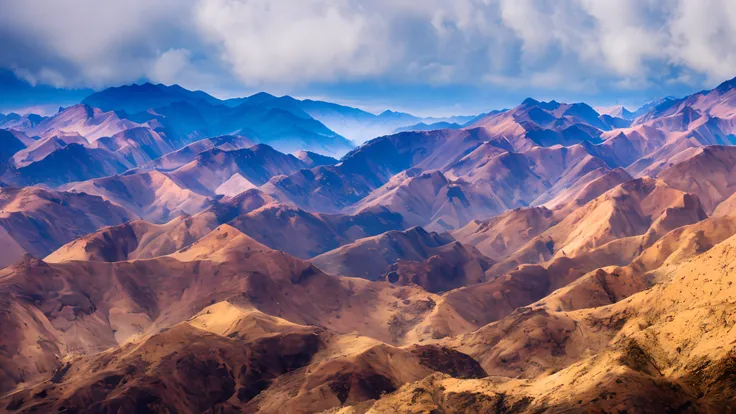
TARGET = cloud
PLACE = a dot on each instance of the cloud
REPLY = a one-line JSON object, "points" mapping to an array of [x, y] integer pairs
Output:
{"points": [[703, 37], [557, 45], [266, 41], [89, 42], [171, 66]]}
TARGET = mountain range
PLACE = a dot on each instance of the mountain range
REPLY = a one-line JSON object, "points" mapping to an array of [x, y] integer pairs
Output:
{"points": [[169, 251]]}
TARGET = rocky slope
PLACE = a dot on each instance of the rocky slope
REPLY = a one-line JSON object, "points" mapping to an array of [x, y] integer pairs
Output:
{"points": [[38, 221], [398, 256]]}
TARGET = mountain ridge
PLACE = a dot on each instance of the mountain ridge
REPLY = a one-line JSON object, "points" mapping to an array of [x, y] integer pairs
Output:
{"points": [[548, 257]]}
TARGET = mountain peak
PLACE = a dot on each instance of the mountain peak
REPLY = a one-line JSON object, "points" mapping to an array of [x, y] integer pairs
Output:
{"points": [[550, 106], [137, 98], [261, 95], [389, 112], [81, 108], [145, 87], [726, 86]]}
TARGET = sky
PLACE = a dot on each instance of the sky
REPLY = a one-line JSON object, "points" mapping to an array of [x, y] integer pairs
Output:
{"points": [[429, 57]]}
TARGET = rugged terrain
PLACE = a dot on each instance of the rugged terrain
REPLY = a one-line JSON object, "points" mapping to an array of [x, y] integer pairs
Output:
{"points": [[168, 251]]}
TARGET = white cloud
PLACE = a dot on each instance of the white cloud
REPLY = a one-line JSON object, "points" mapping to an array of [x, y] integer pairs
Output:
{"points": [[703, 37], [268, 41], [170, 65], [90, 42], [556, 44]]}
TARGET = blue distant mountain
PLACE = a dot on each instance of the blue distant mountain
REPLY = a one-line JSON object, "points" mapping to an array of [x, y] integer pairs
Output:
{"points": [[191, 115], [353, 123], [137, 98], [429, 127], [287, 123]]}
